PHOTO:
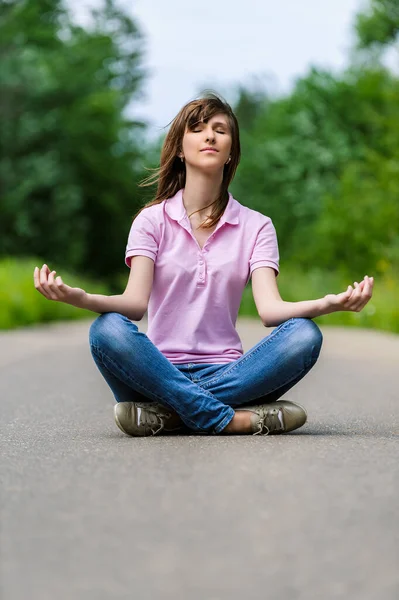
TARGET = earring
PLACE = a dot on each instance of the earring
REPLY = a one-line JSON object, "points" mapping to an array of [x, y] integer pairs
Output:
{"points": [[228, 160]]}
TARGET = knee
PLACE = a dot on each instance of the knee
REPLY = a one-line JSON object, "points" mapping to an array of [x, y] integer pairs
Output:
{"points": [[308, 337], [109, 329]]}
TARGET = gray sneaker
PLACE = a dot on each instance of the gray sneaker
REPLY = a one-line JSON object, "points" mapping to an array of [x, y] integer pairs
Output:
{"points": [[139, 419], [276, 417]]}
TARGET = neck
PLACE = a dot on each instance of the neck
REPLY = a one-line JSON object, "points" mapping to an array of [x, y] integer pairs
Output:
{"points": [[199, 192]]}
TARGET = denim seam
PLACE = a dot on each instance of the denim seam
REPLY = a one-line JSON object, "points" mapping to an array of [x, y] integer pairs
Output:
{"points": [[256, 349], [225, 422], [100, 355]]}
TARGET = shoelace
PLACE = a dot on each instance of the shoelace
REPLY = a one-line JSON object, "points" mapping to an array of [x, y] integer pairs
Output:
{"points": [[270, 421], [151, 416]]}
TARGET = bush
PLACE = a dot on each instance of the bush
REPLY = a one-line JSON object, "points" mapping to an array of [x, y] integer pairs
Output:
{"points": [[21, 304]]}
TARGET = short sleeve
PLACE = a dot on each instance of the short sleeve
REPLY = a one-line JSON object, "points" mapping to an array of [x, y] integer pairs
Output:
{"points": [[143, 239], [265, 252]]}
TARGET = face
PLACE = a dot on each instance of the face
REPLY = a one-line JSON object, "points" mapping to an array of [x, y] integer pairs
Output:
{"points": [[214, 134]]}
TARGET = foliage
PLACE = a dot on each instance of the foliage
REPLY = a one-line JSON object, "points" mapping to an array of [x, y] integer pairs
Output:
{"points": [[379, 25], [69, 158], [322, 163]]}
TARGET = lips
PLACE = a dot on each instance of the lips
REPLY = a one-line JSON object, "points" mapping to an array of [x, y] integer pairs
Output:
{"points": [[209, 150]]}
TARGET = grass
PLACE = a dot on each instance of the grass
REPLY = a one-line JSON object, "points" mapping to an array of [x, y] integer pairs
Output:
{"points": [[21, 304]]}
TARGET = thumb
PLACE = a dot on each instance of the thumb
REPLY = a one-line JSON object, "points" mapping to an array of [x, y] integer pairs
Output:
{"points": [[60, 282]]}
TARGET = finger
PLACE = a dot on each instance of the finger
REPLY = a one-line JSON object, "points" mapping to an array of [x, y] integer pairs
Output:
{"points": [[367, 290], [365, 297], [356, 297], [61, 285], [357, 292], [53, 287], [356, 302], [347, 294], [63, 288], [43, 274], [346, 300], [38, 277], [360, 305], [36, 280], [43, 278], [368, 286]]}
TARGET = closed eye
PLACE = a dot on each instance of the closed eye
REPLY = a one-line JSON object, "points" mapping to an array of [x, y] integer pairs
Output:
{"points": [[198, 131]]}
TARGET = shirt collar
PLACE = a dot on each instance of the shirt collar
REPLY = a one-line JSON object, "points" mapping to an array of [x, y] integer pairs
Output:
{"points": [[175, 209]]}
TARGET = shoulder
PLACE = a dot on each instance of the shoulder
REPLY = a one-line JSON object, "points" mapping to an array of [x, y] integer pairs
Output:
{"points": [[152, 213], [253, 217], [149, 219]]}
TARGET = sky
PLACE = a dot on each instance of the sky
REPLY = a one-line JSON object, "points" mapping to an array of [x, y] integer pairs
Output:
{"points": [[219, 44]]}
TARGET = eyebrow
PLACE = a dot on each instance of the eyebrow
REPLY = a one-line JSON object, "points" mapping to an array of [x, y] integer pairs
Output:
{"points": [[216, 124]]}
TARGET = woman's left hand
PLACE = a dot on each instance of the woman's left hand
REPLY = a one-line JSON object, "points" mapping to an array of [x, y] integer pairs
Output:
{"points": [[354, 299]]}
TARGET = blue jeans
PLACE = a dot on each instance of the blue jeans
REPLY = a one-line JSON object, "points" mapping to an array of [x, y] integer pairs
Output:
{"points": [[203, 395]]}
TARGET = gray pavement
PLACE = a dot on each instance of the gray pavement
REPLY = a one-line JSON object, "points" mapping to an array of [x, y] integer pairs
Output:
{"points": [[88, 513]]}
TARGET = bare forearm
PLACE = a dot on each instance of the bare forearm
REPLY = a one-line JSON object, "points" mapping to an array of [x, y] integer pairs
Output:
{"points": [[278, 312], [120, 304]]}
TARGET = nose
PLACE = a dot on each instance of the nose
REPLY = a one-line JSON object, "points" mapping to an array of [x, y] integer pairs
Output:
{"points": [[210, 135]]}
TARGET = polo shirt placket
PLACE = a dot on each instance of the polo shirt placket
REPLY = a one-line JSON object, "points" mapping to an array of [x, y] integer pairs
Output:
{"points": [[201, 262]]}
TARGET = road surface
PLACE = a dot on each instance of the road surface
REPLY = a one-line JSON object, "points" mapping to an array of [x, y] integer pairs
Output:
{"points": [[88, 513]]}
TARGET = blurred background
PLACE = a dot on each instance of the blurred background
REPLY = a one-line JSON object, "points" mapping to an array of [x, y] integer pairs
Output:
{"points": [[88, 89]]}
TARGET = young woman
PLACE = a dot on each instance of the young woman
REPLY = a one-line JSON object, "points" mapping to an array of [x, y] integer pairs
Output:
{"points": [[191, 251]]}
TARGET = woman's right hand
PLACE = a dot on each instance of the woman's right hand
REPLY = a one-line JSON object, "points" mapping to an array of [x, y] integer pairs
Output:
{"points": [[55, 289]]}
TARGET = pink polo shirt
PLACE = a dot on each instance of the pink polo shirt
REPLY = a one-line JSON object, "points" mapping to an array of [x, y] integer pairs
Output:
{"points": [[196, 293]]}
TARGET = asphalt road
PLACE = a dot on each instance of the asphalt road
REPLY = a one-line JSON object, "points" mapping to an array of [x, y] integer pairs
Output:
{"points": [[88, 513]]}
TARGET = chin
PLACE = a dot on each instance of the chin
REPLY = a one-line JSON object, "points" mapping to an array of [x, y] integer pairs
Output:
{"points": [[210, 164]]}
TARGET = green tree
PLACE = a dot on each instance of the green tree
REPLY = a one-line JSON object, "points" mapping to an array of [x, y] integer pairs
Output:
{"points": [[69, 156], [359, 223], [379, 25], [293, 155], [322, 161]]}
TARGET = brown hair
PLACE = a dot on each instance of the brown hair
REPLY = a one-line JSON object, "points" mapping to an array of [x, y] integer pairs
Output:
{"points": [[170, 177]]}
